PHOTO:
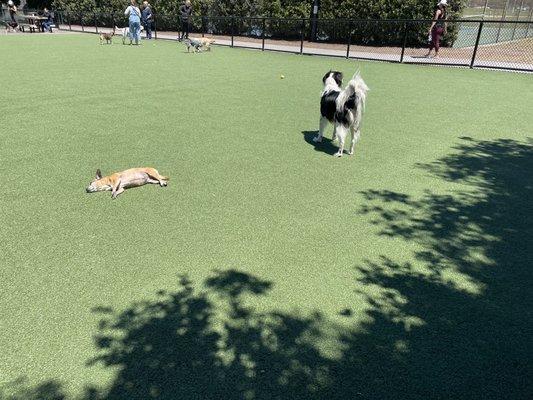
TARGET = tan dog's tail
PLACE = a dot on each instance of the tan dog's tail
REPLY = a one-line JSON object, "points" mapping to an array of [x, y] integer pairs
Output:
{"points": [[154, 173]]}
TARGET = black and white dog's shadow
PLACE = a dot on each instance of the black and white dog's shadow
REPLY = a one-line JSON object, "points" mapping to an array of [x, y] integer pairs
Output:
{"points": [[326, 146]]}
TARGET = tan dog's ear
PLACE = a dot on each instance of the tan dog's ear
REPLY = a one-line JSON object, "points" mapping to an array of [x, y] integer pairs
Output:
{"points": [[98, 174]]}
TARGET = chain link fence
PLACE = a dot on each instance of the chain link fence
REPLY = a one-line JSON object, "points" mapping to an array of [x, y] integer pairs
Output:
{"points": [[505, 44], [508, 10]]}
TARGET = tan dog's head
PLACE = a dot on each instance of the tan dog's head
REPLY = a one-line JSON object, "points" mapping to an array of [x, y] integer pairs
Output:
{"points": [[98, 184]]}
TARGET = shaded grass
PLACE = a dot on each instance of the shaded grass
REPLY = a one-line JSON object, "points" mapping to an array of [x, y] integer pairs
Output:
{"points": [[248, 190]]}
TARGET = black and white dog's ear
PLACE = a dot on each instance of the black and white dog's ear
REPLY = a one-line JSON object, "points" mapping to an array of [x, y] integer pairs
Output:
{"points": [[326, 77], [338, 77], [98, 174]]}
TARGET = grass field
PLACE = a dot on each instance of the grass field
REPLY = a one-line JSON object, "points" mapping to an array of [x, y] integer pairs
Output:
{"points": [[267, 268]]}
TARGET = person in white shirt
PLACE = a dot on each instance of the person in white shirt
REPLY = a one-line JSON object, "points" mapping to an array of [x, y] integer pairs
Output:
{"points": [[134, 15]]}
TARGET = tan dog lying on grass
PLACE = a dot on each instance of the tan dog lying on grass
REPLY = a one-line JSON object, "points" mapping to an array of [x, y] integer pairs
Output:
{"points": [[129, 178]]}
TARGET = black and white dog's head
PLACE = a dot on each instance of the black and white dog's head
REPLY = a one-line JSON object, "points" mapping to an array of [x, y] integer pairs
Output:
{"points": [[332, 88], [332, 80]]}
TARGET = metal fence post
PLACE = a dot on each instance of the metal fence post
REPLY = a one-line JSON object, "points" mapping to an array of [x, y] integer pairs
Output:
{"points": [[302, 36], [155, 27], [232, 29], [476, 45], [349, 39], [526, 35], [95, 23], [68, 19], [203, 25], [81, 21], [517, 17], [263, 35], [485, 9], [504, 14], [404, 42]]}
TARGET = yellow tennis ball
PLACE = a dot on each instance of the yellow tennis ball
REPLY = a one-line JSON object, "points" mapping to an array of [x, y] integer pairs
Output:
{"points": [[282, 76]]}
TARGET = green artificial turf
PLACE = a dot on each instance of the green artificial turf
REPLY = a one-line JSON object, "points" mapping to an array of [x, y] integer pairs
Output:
{"points": [[400, 272]]}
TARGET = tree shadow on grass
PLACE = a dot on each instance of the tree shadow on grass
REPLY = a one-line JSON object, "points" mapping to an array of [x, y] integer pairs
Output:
{"points": [[459, 317], [169, 348], [452, 322], [326, 146], [21, 390]]}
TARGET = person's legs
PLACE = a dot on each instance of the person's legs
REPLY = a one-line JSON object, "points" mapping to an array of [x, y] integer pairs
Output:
{"points": [[137, 32], [436, 39], [188, 26], [148, 29], [131, 31], [431, 43], [183, 29]]}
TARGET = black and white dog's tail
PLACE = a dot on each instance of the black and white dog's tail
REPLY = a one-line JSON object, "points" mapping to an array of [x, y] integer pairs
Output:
{"points": [[353, 97], [349, 112]]}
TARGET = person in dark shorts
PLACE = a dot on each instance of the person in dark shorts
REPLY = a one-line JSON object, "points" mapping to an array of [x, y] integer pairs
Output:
{"points": [[185, 15], [147, 19], [438, 27]]}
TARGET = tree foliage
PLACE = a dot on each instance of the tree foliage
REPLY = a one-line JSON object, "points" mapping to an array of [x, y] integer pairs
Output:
{"points": [[371, 33], [360, 9]]}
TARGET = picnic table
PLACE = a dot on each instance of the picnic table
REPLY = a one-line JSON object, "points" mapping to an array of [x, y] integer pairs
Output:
{"points": [[33, 22]]}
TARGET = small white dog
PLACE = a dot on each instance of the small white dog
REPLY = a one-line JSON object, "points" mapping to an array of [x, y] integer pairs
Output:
{"points": [[126, 33], [343, 108]]}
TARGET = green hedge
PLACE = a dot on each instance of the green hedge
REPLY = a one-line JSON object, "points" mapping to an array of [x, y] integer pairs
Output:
{"points": [[367, 33]]}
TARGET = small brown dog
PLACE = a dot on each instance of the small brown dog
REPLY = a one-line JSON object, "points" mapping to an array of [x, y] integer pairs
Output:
{"points": [[108, 37], [129, 178]]}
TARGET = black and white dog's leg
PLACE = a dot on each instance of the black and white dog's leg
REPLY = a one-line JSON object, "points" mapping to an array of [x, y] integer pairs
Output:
{"points": [[341, 134], [356, 133], [334, 137], [322, 127]]}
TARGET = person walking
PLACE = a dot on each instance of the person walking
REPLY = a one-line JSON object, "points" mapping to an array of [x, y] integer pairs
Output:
{"points": [[438, 27], [12, 12], [134, 15], [147, 19], [185, 14]]}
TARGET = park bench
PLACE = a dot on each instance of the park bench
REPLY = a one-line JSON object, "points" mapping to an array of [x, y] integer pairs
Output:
{"points": [[31, 27], [32, 22]]}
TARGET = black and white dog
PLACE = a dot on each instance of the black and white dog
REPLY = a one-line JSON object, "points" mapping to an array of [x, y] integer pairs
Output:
{"points": [[343, 108]]}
